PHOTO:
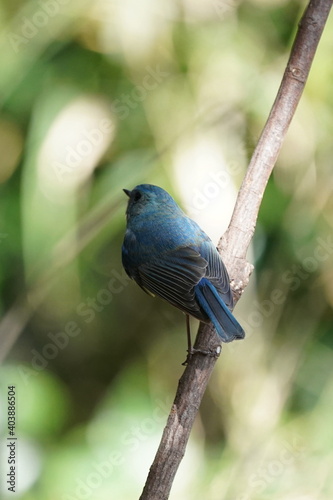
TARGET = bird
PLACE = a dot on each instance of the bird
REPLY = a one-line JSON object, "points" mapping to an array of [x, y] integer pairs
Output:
{"points": [[168, 255]]}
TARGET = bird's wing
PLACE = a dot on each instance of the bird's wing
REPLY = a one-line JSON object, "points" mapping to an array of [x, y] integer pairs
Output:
{"points": [[173, 277], [216, 272]]}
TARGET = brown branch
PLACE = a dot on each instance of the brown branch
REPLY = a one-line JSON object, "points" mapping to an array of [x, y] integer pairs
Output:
{"points": [[233, 247]]}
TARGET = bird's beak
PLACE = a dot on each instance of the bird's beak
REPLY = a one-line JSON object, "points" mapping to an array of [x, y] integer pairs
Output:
{"points": [[128, 192]]}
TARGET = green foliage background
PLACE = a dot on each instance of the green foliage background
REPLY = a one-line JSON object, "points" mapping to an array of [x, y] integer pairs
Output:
{"points": [[101, 95]]}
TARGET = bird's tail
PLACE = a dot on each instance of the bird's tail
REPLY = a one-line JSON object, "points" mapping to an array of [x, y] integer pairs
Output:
{"points": [[223, 320]]}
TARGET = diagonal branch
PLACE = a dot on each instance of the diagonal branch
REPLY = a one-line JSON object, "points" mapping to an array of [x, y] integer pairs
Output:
{"points": [[233, 247]]}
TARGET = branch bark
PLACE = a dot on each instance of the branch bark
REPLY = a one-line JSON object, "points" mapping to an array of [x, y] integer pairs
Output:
{"points": [[233, 247]]}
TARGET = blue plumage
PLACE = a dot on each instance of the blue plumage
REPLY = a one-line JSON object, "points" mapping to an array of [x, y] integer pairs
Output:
{"points": [[168, 255]]}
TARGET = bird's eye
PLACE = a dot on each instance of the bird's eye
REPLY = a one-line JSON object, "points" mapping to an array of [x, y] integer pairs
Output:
{"points": [[137, 196]]}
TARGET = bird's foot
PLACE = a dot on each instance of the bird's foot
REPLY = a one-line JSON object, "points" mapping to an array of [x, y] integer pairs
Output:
{"points": [[214, 354]]}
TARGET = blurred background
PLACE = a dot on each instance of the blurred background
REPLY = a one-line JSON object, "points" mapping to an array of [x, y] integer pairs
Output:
{"points": [[103, 95]]}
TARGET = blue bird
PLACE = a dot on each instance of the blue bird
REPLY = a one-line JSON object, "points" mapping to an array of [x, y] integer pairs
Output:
{"points": [[169, 255]]}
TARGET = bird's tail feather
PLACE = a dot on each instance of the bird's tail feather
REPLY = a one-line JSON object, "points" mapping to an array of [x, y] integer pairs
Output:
{"points": [[223, 320]]}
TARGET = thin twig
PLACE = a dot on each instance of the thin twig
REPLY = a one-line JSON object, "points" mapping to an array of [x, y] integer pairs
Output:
{"points": [[233, 247]]}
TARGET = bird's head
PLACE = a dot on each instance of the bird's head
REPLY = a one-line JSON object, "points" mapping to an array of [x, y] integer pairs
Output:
{"points": [[146, 199]]}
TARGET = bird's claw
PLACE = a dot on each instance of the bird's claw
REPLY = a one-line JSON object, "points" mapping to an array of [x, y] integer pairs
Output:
{"points": [[190, 352]]}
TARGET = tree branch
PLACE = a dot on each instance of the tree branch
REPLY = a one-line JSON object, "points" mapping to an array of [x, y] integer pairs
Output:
{"points": [[233, 247]]}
